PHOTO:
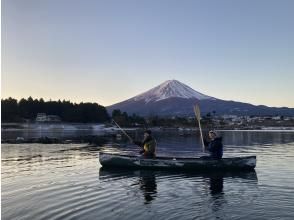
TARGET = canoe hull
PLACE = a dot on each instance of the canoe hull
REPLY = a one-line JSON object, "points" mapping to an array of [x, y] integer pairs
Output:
{"points": [[126, 161]]}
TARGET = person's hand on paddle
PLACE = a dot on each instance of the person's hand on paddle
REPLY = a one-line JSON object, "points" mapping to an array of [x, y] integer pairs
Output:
{"points": [[139, 143]]}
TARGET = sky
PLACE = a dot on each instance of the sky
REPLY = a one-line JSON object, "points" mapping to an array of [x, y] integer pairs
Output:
{"points": [[106, 51]]}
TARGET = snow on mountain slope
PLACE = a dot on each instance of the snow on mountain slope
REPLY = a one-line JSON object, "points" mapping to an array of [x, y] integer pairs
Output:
{"points": [[170, 89]]}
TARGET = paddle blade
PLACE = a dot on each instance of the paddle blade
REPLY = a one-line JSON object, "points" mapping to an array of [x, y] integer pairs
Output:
{"points": [[197, 112]]}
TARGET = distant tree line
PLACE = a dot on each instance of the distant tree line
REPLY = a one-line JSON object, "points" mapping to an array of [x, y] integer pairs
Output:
{"points": [[17, 111], [176, 121], [27, 109], [123, 119]]}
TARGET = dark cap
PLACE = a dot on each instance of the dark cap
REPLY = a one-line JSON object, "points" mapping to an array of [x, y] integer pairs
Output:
{"points": [[148, 132]]}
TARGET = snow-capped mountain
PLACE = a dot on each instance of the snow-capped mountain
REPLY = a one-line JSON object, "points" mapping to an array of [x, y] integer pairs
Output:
{"points": [[170, 89], [173, 98]]}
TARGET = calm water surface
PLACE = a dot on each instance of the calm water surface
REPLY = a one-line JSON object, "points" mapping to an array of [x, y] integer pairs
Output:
{"points": [[68, 182]]}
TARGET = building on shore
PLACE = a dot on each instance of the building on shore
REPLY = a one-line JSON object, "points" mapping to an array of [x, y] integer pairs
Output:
{"points": [[42, 117]]}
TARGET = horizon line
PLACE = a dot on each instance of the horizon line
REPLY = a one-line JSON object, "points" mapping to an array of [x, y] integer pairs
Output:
{"points": [[78, 102]]}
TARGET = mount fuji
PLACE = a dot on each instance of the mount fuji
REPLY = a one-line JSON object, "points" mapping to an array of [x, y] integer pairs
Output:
{"points": [[173, 98], [170, 89]]}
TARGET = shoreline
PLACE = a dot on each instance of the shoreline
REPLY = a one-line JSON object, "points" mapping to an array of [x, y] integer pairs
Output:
{"points": [[95, 134], [107, 127]]}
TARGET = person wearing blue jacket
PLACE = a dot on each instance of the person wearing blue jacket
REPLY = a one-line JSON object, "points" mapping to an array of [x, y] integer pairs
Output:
{"points": [[214, 145]]}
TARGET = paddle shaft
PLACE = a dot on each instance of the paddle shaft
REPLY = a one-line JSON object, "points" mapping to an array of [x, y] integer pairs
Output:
{"points": [[131, 140], [203, 147], [198, 117]]}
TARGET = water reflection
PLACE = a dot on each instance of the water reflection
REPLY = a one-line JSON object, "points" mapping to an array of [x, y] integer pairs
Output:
{"points": [[60, 131], [245, 138], [148, 186], [220, 185], [146, 181], [216, 184], [64, 181], [63, 131], [217, 198]]}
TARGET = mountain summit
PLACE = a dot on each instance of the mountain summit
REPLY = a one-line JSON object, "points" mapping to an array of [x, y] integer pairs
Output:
{"points": [[170, 89], [173, 98]]}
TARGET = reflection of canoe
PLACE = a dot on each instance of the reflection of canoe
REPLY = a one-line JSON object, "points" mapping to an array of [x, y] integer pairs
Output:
{"points": [[147, 180], [110, 173], [121, 161]]}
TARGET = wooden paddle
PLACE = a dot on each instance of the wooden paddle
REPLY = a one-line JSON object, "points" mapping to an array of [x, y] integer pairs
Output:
{"points": [[125, 133], [198, 116]]}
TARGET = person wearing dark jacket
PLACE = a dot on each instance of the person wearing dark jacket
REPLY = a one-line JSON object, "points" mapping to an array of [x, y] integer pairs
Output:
{"points": [[214, 145], [148, 145]]}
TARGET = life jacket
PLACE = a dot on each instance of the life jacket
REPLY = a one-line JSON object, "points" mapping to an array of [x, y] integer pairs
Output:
{"points": [[150, 147], [215, 148]]}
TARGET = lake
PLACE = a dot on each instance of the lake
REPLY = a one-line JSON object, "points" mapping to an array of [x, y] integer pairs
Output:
{"points": [[66, 181]]}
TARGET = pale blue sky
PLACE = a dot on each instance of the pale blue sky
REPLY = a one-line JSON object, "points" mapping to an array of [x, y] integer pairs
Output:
{"points": [[108, 51]]}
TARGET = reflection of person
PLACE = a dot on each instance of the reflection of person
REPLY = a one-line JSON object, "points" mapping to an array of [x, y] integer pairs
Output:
{"points": [[214, 145], [148, 144], [216, 184], [148, 185]]}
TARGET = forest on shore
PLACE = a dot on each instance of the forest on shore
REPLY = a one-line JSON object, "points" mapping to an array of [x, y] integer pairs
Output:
{"points": [[26, 110], [13, 110]]}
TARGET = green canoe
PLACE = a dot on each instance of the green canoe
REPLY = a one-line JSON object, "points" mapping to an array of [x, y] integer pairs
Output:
{"points": [[135, 162]]}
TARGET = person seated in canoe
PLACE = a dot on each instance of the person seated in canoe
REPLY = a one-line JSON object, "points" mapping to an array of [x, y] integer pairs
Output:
{"points": [[214, 145], [148, 144]]}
